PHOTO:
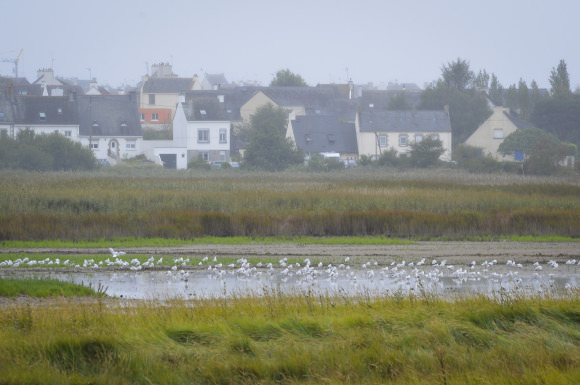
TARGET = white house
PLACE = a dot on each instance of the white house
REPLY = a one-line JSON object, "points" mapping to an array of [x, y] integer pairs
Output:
{"points": [[382, 130], [201, 130]]}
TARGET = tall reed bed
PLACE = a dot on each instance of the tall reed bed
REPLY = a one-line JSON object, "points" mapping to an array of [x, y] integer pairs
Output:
{"points": [[184, 205], [272, 338]]}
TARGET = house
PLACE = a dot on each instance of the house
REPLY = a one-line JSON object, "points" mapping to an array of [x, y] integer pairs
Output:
{"points": [[46, 115], [491, 133], [159, 95], [214, 82], [201, 130], [378, 131], [324, 134], [110, 126]]}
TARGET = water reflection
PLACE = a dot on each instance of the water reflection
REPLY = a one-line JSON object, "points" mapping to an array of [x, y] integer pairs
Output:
{"points": [[376, 282]]}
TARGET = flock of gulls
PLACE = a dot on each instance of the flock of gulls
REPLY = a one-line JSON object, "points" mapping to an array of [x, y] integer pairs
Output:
{"points": [[430, 275]]}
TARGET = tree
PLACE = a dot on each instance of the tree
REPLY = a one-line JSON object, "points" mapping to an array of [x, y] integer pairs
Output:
{"points": [[399, 102], [286, 78], [496, 91], [511, 97], [44, 153], [426, 153], [559, 116], [467, 109], [524, 102], [541, 151], [560, 81], [524, 141], [457, 75], [268, 148], [482, 80]]}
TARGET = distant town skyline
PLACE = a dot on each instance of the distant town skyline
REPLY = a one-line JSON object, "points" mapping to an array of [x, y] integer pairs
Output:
{"points": [[324, 41]]}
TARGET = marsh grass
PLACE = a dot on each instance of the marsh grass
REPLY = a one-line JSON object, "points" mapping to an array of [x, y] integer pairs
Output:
{"points": [[150, 204], [45, 288], [280, 338]]}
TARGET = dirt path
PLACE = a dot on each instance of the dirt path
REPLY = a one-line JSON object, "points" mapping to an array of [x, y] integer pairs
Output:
{"points": [[455, 252]]}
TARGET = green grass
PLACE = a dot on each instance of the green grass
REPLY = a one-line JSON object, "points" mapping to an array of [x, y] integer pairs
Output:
{"points": [[296, 339], [208, 240], [186, 206], [43, 288]]}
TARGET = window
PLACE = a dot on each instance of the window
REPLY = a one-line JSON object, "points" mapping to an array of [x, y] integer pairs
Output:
{"points": [[223, 135], [222, 156], [418, 138], [42, 116], [151, 98], [68, 133], [142, 117], [4, 133], [498, 133], [204, 156], [130, 145], [383, 140], [94, 145], [1, 115], [155, 117], [403, 141], [435, 137], [203, 135]]}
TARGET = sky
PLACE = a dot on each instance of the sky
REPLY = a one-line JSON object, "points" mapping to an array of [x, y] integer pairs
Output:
{"points": [[324, 41]]}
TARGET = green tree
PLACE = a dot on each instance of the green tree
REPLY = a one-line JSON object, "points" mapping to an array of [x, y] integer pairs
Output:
{"points": [[286, 78], [541, 151], [482, 80], [467, 109], [399, 102], [44, 153], [496, 91], [524, 141], [426, 153], [560, 81], [560, 117], [511, 97], [457, 74], [268, 148], [524, 101]]}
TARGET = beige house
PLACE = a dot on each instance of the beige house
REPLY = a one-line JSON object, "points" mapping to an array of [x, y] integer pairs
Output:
{"points": [[159, 95], [381, 131], [491, 133]]}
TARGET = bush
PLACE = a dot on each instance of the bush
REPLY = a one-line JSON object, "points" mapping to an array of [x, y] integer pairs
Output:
{"points": [[198, 164]]}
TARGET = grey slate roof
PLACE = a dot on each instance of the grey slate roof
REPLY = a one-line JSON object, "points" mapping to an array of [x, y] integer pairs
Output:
{"points": [[216, 80], [167, 85], [381, 98], [515, 119], [39, 110], [111, 112], [324, 133], [404, 121], [208, 109], [234, 99]]}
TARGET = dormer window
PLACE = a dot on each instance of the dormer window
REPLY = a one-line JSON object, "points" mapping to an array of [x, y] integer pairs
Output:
{"points": [[308, 138], [42, 116], [96, 124], [59, 111], [202, 112], [331, 138], [123, 126]]}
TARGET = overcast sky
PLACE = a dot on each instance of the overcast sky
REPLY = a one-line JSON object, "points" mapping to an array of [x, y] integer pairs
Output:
{"points": [[324, 41]]}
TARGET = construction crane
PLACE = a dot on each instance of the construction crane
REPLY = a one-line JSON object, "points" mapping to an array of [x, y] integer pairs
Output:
{"points": [[15, 61]]}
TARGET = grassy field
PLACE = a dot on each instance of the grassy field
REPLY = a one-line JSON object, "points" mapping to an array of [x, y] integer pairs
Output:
{"points": [[277, 338], [446, 205], [295, 339]]}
